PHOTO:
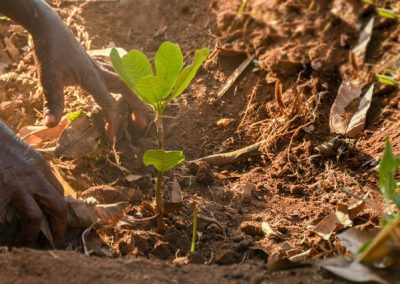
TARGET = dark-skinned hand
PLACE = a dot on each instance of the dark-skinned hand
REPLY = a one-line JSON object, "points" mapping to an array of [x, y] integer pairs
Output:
{"points": [[63, 62], [28, 185]]}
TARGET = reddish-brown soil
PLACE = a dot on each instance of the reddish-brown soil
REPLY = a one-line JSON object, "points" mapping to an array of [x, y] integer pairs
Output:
{"points": [[299, 43]]}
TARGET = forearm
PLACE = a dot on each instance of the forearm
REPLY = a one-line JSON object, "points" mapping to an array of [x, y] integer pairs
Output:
{"points": [[31, 14]]}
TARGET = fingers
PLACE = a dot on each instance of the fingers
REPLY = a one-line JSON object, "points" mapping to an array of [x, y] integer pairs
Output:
{"points": [[54, 97], [116, 85], [52, 203], [31, 218], [94, 85], [33, 196]]}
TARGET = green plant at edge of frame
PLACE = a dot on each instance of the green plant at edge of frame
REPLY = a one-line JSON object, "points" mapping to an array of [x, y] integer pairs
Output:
{"points": [[158, 89], [387, 182]]}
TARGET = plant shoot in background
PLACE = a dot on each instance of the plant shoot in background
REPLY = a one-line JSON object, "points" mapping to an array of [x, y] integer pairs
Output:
{"points": [[387, 182], [158, 88]]}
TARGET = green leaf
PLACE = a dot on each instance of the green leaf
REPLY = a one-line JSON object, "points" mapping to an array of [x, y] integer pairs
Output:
{"points": [[131, 67], [169, 62], [387, 13], [387, 169], [137, 65], [74, 115], [189, 72], [151, 90], [163, 160], [387, 80], [119, 67]]}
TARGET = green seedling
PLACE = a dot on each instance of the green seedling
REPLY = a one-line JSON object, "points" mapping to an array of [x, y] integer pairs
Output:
{"points": [[387, 13], [387, 182], [158, 88], [193, 247], [390, 77]]}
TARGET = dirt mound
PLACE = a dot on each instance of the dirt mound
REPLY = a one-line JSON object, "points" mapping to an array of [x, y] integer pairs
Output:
{"points": [[300, 47]]}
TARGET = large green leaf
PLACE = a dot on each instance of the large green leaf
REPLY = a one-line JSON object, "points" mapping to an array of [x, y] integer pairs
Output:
{"points": [[119, 67], [189, 72], [131, 67], [151, 90], [169, 62], [387, 170], [137, 65], [163, 160]]}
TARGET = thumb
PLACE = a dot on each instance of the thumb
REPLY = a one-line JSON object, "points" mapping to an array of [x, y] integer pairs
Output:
{"points": [[53, 98]]}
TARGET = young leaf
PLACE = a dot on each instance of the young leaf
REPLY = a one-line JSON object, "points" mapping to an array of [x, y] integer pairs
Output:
{"points": [[163, 160], [387, 169], [189, 72], [387, 13], [137, 65], [168, 61], [387, 80], [74, 115], [131, 67], [151, 90], [119, 67]]}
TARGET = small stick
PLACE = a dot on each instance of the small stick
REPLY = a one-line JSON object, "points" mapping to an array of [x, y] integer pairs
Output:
{"points": [[234, 156], [225, 87], [253, 93]]}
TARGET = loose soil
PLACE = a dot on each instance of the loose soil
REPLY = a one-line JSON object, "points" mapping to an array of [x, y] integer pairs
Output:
{"points": [[289, 185]]}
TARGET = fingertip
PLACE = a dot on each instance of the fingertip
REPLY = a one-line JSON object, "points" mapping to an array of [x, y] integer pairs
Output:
{"points": [[51, 120], [139, 121], [110, 132]]}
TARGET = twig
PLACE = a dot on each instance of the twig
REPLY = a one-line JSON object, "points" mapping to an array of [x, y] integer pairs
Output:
{"points": [[234, 156], [253, 93], [225, 87]]}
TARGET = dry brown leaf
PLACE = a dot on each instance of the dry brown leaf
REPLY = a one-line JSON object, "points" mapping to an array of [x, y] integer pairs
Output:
{"points": [[342, 218], [360, 49], [78, 139], [276, 263], [83, 213], [353, 271], [349, 110], [68, 190], [354, 238], [176, 194], [36, 135]]}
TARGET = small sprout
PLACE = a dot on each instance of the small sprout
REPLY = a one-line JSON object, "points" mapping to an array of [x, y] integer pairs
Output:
{"points": [[387, 182], [242, 8], [74, 115], [390, 77], [194, 233], [386, 13]]}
